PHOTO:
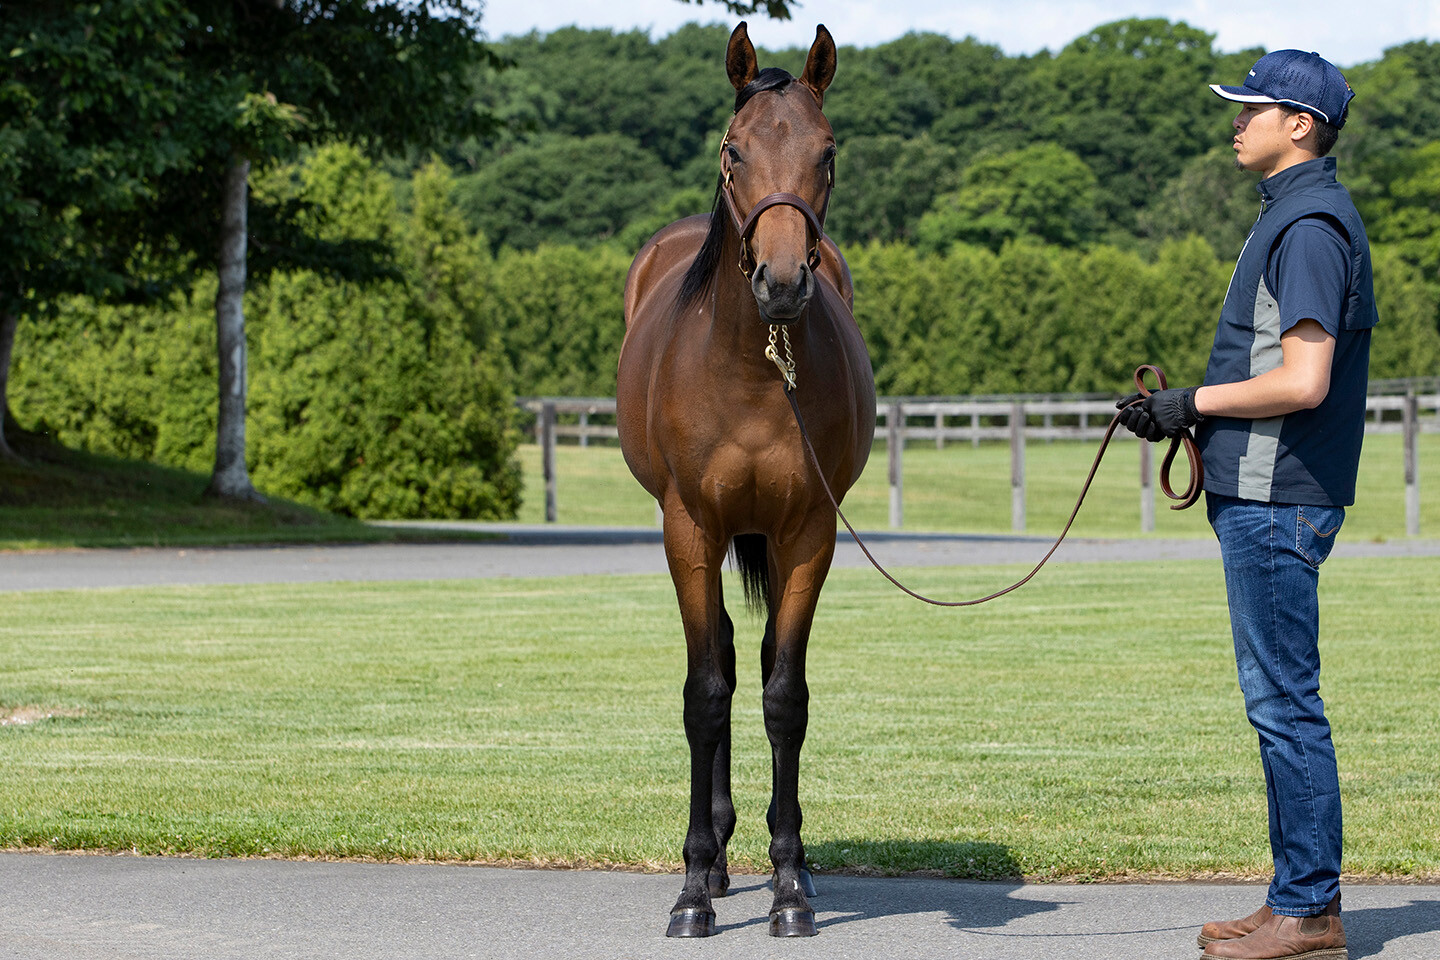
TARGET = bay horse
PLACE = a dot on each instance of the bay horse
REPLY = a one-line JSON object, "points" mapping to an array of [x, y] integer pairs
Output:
{"points": [[706, 428]]}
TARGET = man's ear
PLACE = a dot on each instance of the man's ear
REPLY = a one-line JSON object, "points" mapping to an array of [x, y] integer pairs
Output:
{"points": [[1302, 125]]}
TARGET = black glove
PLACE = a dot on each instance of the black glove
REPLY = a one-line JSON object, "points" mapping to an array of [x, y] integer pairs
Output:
{"points": [[1165, 413]]}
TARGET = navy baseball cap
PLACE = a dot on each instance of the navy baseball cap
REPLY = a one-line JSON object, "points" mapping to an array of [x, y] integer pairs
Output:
{"points": [[1305, 81]]}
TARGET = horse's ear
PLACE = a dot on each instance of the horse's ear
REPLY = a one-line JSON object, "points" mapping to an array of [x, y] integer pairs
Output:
{"points": [[820, 66], [740, 59]]}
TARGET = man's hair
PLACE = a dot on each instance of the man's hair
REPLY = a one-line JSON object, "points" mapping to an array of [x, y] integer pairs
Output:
{"points": [[1325, 133]]}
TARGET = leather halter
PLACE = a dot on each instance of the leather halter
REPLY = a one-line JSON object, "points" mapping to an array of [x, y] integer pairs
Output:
{"points": [[745, 226]]}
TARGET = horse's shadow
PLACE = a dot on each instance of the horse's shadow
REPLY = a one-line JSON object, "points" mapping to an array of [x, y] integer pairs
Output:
{"points": [[846, 899], [1368, 929]]}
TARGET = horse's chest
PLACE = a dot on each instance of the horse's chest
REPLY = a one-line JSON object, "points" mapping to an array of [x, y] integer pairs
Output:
{"points": [[754, 480]]}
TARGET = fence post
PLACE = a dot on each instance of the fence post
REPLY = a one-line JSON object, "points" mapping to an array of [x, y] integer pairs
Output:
{"points": [[1412, 465], [1017, 467], [895, 446], [547, 457], [584, 434], [939, 431], [1147, 487], [975, 430]]}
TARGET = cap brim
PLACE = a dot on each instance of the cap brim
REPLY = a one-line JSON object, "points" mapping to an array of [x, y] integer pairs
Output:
{"points": [[1241, 94]]}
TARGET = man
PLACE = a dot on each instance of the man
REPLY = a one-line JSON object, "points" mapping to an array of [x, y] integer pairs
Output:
{"points": [[1279, 421]]}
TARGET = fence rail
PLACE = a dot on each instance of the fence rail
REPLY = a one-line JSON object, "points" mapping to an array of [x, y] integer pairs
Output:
{"points": [[1406, 407]]}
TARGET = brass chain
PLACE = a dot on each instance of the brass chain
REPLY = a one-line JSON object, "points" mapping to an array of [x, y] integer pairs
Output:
{"points": [[772, 353]]}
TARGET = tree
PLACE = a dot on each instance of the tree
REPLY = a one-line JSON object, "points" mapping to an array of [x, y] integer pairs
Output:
{"points": [[886, 184], [1043, 191], [1209, 198], [562, 189], [269, 76], [89, 114], [775, 9], [1129, 98]]}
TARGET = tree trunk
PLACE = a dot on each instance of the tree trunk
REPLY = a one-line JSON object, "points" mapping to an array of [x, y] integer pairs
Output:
{"points": [[231, 480], [8, 323]]}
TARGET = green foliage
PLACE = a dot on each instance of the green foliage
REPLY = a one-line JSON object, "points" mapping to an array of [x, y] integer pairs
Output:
{"points": [[1033, 318], [1043, 191], [579, 189], [1406, 215], [387, 400], [1129, 97], [884, 183], [1407, 340], [559, 310], [90, 114], [1209, 198]]}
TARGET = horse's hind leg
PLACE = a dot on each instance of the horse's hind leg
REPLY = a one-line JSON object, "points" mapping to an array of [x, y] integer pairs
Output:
{"points": [[802, 564], [695, 562], [722, 807]]}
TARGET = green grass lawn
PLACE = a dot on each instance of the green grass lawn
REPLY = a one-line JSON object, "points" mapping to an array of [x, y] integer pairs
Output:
{"points": [[964, 489], [67, 498], [1088, 727]]}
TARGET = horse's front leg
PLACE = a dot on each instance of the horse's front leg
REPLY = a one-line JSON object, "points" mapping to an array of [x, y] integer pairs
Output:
{"points": [[802, 565], [722, 806], [695, 563]]}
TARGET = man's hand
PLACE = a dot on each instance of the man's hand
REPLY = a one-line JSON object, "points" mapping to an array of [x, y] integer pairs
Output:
{"points": [[1165, 413]]}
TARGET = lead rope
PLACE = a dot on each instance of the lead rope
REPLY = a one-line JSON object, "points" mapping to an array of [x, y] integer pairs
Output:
{"points": [[1186, 499]]}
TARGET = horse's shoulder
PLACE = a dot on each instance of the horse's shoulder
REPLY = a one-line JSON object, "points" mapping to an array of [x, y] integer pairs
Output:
{"points": [[834, 269], [673, 245]]}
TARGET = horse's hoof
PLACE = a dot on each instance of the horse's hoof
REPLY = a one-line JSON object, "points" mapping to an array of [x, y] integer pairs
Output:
{"points": [[793, 922], [719, 885], [693, 922], [807, 883]]}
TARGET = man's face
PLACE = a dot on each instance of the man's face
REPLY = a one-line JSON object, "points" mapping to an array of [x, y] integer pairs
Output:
{"points": [[1263, 137]]}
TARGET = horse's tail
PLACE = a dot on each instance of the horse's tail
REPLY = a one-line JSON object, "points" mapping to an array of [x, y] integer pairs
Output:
{"points": [[751, 553]]}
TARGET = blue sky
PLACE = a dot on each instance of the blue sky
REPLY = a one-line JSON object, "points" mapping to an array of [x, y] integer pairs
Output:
{"points": [[1343, 31]]}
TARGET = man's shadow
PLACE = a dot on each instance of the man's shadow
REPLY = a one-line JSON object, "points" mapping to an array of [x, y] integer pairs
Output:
{"points": [[990, 906], [1368, 929]]}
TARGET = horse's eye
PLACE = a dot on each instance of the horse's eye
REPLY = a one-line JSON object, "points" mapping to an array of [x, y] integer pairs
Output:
{"points": [[829, 154], [734, 154]]}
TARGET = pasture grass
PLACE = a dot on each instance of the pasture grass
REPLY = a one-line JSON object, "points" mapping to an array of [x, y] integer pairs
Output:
{"points": [[1087, 728], [967, 490]]}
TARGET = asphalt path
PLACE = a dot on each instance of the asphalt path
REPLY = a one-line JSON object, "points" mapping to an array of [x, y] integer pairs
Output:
{"points": [[59, 906], [549, 550], [64, 907]]}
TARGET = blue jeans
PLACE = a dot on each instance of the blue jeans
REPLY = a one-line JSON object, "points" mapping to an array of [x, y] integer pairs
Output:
{"points": [[1272, 554]]}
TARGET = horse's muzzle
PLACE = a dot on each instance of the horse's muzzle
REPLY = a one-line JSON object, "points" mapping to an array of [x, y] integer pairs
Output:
{"points": [[782, 301]]}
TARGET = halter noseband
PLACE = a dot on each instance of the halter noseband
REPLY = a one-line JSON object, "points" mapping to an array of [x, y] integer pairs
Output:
{"points": [[745, 226]]}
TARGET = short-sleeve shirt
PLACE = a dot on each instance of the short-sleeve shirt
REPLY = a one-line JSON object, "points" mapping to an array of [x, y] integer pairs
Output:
{"points": [[1307, 257]]}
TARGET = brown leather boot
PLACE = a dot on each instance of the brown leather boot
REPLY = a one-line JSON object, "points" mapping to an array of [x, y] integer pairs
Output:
{"points": [[1290, 938], [1232, 929]]}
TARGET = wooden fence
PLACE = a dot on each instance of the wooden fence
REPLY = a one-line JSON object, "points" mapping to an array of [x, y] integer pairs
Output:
{"points": [[1407, 407]]}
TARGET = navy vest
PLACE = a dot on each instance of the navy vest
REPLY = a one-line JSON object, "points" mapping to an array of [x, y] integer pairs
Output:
{"points": [[1309, 456]]}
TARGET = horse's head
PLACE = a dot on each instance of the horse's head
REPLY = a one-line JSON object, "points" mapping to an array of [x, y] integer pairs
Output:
{"points": [[778, 162]]}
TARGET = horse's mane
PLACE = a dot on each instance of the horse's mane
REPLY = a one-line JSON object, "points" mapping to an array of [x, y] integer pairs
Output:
{"points": [[702, 269]]}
